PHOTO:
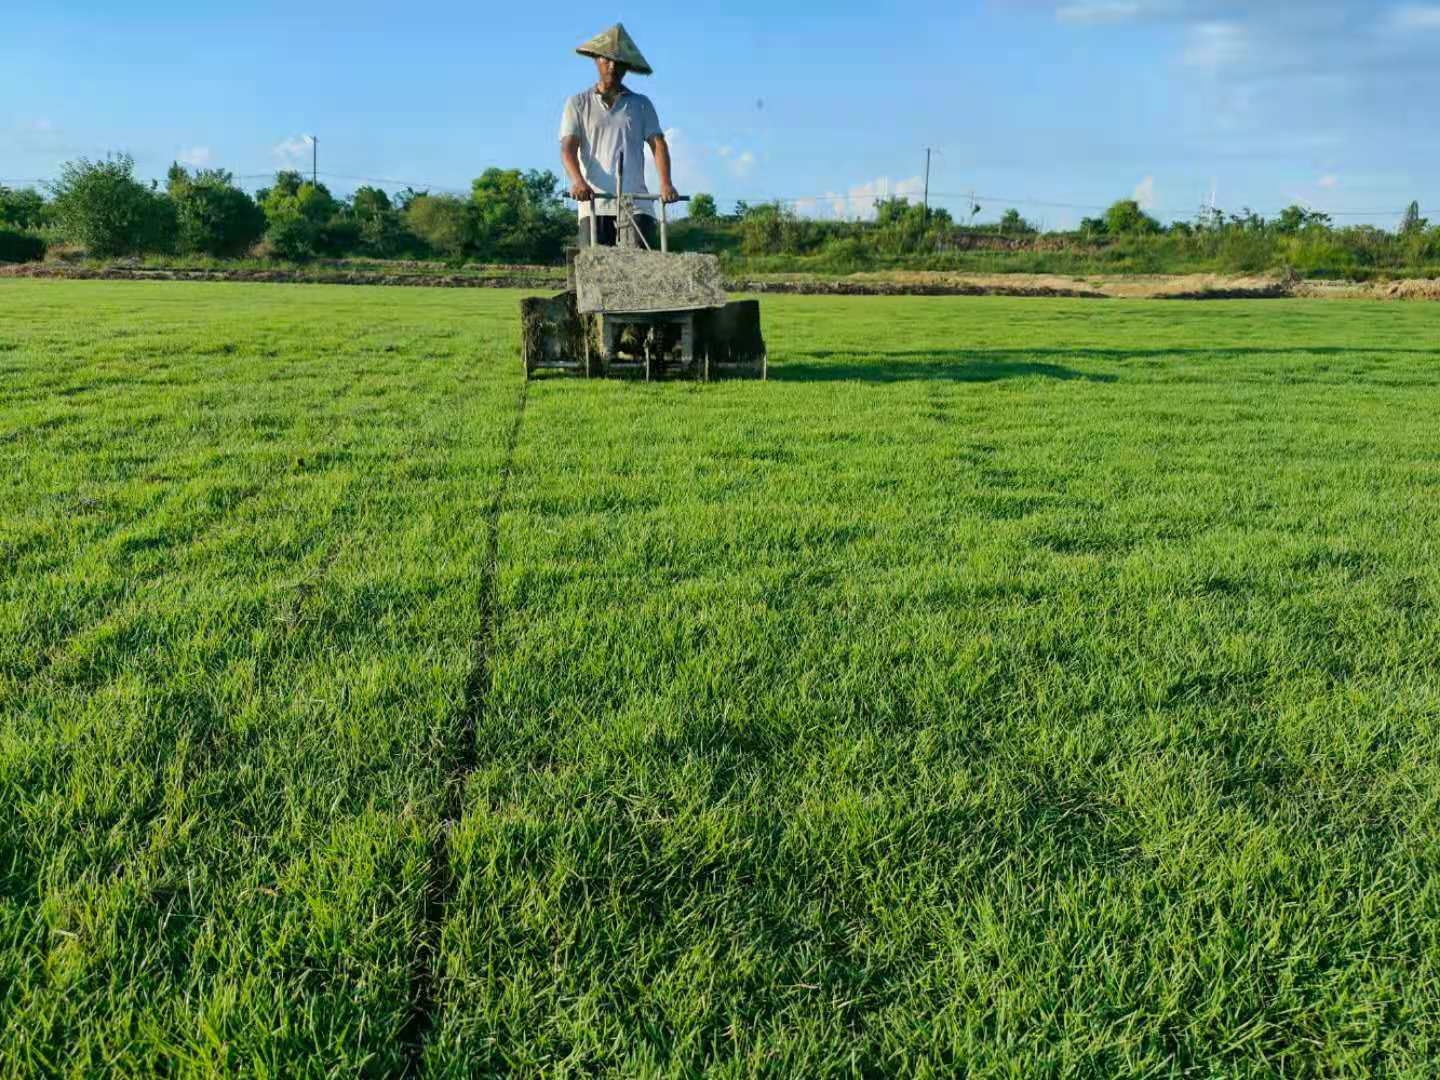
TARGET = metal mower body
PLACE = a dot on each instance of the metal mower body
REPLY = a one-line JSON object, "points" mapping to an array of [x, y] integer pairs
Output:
{"points": [[629, 310]]}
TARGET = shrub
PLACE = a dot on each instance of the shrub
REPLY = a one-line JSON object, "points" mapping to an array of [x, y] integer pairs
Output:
{"points": [[296, 213], [1126, 217], [385, 236], [772, 229], [1012, 224], [846, 254], [1411, 223], [16, 246], [1295, 218], [702, 209], [290, 236], [100, 205], [518, 217], [444, 222], [213, 216], [21, 208]]}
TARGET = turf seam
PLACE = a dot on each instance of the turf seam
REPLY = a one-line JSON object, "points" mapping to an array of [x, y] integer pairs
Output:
{"points": [[463, 756]]}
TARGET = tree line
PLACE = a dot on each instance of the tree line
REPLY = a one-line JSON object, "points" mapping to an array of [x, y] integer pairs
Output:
{"points": [[1125, 238], [101, 206], [510, 216]]}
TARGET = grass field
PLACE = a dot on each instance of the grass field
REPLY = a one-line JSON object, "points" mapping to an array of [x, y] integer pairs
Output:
{"points": [[1027, 687]]}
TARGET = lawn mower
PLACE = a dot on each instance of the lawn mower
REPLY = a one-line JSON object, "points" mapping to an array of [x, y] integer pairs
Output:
{"points": [[628, 310]]}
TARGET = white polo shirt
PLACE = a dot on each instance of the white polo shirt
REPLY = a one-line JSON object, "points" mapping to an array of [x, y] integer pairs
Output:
{"points": [[607, 134]]}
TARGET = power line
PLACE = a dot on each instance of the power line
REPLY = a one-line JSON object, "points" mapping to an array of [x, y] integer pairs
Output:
{"points": [[430, 185], [854, 199], [1013, 200]]}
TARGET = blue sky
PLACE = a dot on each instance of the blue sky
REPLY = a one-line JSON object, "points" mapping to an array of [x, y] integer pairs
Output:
{"points": [[1052, 106]]}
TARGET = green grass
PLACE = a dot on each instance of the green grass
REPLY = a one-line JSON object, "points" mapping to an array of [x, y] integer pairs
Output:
{"points": [[1007, 686]]}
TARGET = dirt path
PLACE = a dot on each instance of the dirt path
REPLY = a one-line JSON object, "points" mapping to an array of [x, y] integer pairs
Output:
{"points": [[885, 283]]}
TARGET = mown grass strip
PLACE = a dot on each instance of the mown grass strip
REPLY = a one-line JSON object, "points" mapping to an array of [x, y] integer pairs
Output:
{"points": [[1002, 688], [228, 787]]}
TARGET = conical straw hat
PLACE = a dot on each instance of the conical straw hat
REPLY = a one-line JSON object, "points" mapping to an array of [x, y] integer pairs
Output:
{"points": [[617, 45]]}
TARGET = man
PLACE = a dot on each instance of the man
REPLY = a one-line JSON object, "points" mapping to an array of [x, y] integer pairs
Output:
{"points": [[609, 124]]}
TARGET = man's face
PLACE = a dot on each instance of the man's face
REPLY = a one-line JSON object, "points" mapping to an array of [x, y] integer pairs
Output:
{"points": [[610, 72]]}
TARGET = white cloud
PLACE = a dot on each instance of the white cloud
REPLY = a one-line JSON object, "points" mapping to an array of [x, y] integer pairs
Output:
{"points": [[858, 203], [1114, 11], [687, 162], [1329, 182], [1100, 11], [294, 149], [1415, 17], [1213, 45], [197, 157], [740, 163], [1145, 193]]}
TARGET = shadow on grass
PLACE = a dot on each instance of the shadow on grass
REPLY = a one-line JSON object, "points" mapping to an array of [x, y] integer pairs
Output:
{"points": [[992, 365], [923, 366]]}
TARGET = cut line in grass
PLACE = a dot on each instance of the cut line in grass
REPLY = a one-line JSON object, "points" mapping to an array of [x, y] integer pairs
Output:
{"points": [[441, 882]]}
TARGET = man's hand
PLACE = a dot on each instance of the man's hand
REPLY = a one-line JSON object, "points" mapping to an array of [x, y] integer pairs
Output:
{"points": [[661, 149], [580, 191]]}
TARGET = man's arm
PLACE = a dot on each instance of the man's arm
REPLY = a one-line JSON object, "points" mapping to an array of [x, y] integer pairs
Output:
{"points": [[661, 150], [570, 158]]}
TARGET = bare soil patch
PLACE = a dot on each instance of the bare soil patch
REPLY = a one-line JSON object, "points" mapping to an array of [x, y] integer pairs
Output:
{"points": [[881, 283]]}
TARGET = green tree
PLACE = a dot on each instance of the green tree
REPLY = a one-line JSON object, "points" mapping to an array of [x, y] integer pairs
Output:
{"points": [[379, 225], [370, 202], [22, 208], [1126, 218], [772, 229], [1012, 224], [405, 197], [444, 222], [902, 227], [213, 216], [702, 209], [1295, 218], [296, 215], [519, 217], [897, 210], [1290, 220], [101, 206], [1209, 219], [1247, 221], [1412, 224]]}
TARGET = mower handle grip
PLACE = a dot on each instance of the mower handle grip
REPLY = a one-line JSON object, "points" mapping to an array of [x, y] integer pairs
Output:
{"points": [[637, 197]]}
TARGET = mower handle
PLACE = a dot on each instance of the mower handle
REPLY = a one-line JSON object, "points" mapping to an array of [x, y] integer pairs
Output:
{"points": [[607, 195], [664, 224]]}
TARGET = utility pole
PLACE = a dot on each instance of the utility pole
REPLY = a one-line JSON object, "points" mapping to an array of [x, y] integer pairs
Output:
{"points": [[314, 161], [927, 185]]}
